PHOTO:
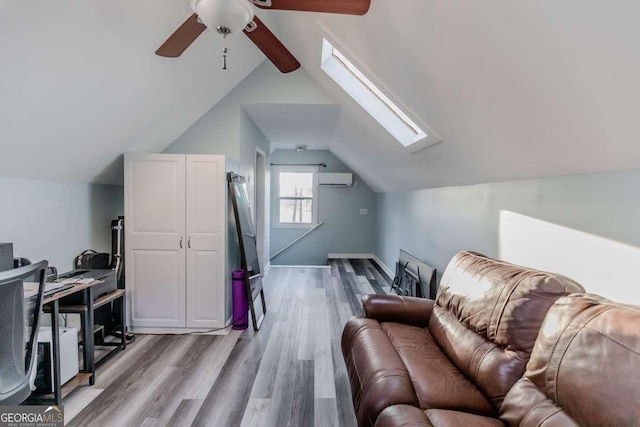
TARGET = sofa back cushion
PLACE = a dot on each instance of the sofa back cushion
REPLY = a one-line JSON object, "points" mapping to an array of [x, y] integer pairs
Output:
{"points": [[583, 369], [487, 316]]}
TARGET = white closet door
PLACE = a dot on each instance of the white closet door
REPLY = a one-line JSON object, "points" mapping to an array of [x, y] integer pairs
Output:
{"points": [[206, 233], [155, 239]]}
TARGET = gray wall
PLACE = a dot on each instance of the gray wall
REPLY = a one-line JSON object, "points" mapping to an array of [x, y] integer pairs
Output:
{"points": [[344, 229], [434, 224], [227, 130], [55, 220], [216, 132]]}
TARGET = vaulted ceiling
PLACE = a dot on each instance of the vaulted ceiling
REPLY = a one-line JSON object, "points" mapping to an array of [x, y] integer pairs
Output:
{"points": [[515, 89], [80, 84]]}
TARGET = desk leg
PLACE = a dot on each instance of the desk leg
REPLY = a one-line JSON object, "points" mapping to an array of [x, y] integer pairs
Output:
{"points": [[84, 321], [123, 320], [55, 333], [88, 337]]}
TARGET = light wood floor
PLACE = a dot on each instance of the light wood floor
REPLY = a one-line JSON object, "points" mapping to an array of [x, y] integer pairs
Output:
{"points": [[290, 373]]}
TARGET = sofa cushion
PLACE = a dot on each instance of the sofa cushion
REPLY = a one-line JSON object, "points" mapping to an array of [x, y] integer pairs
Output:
{"points": [[583, 368], [403, 416], [409, 416], [444, 418], [377, 375], [437, 381], [487, 316]]}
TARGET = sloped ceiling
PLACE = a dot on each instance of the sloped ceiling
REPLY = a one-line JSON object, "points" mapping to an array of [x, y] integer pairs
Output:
{"points": [[288, 125], [516, 89], [80, 84]]}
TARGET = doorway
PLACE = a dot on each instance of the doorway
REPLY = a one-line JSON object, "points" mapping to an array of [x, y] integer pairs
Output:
{"points": [[260, 203]]}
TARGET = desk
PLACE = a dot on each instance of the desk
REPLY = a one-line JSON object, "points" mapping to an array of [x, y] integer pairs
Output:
{"points": [[51, 304]]}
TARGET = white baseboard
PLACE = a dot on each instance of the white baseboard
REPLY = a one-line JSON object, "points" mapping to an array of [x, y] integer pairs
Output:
{"points": [[382, 265], [351, 256], [267, 269], [300, 266]]}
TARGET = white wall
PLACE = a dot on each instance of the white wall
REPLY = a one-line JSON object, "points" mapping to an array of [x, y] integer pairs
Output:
{"points": [[55, 220], [560, 224], [601, 265]]}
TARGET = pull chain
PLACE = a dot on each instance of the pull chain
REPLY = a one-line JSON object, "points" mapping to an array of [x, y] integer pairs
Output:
{"points": [[224, 31], [224, 52]]}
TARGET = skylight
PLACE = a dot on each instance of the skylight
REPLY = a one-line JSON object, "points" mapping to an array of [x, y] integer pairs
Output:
{"points": [[376, 103]]}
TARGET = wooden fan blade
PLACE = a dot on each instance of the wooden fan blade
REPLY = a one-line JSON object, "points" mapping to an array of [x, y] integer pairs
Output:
{"points": [[182, 38], [348, 7], [269, 44]]}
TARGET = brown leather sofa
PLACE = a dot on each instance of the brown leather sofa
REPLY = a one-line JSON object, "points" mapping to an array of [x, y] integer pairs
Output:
{"points": [[452, 361]]}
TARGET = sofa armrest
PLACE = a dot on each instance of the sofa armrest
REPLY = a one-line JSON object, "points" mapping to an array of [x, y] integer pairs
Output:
{"points": [[394, 308]]}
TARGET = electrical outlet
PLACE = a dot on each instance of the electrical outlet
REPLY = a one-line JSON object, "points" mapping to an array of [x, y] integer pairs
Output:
{"points": [[364, 211]]}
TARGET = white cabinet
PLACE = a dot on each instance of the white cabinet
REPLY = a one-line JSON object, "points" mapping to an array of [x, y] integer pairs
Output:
{"points": [[176, 241]]}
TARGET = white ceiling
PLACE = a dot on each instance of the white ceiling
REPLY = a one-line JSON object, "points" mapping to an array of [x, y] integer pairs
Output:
{"points": [[80, 84], [516, 89], [288, 125]]}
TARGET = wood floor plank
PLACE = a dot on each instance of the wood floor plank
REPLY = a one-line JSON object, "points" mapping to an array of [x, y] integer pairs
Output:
{"points": [[334, 267], [346, 415], [153, 422], [274, 291], [185, 413], [290, 373], [358, 266], [324, 386], [347, 266], [131, 382], [256, 413], [332, 302], [131, 411], [350, 287], [365, 285], [235, 380], [110, 370], [305, 344], [167, 398], [380, 271], [211, 366], [325, 413], [338, 286], [302, 406], [79, 400], [374, 283], [266, 376]]}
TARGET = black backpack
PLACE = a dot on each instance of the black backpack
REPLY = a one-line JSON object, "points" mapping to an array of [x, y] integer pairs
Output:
{"points": [[91, 260]]}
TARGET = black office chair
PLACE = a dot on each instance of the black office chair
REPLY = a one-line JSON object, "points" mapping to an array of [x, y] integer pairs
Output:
{"points": [[19, 321]]}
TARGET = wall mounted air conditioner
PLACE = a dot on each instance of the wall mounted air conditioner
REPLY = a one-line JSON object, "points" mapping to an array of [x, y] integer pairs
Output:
{"points": [[328, 179]]}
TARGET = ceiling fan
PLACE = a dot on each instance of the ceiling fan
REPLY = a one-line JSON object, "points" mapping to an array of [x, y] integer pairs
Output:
{"points": [[230, 16]]}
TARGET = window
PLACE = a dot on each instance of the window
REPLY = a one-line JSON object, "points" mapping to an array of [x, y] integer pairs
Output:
{"points": [[297, 197], [374, 101]]}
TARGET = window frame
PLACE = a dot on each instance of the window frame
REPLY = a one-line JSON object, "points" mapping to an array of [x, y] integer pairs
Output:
{"points": [[376, 99], [314, 199]]}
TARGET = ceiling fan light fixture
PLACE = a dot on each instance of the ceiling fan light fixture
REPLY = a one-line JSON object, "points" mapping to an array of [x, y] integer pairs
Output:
{"points": [[231, 15]]}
